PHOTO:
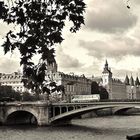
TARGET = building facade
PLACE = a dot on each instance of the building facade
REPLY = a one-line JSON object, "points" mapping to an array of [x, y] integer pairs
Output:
{"points": [[14, 80], [118, 90], [115, 87], [80, 85], [132, 88], [73, 84]]}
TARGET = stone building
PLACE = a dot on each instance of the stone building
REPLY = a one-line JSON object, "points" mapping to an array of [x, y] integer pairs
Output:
{"points": [[115, 87], [72, 83], [13, 80], [129, 89], [132, 88]]}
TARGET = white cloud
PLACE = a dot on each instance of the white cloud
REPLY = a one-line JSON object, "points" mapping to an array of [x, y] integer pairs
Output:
{"points": [[8, 65], [111, 31]]}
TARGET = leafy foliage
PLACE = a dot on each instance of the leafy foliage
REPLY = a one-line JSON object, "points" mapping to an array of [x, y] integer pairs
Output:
{"points": [[103, 93], [8, 92], [41, 23], [26, 96], [96, 89]]}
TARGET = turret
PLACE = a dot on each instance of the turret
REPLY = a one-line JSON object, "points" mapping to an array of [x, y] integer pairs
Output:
{"points": [[131, 81], [106, 68], [137, 83], [106, 65], [106, 74], [126, 80]]}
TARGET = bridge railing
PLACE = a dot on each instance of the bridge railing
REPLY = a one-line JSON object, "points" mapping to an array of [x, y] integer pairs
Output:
{"points": [[120, 100]]}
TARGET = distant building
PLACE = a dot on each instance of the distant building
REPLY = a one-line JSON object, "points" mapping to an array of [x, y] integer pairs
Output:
{"points": [[115, 88], [129, 89], [72, 83], [80, 85], [132, 87], [13, 80]]}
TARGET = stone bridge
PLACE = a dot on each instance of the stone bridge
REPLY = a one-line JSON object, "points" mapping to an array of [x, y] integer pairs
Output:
{"points": [[25, 111], [42, 113]]}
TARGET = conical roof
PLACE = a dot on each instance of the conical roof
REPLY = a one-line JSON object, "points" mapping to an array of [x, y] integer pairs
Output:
{"points": [[137, 82], [131, 81], [106, 68], [106, 64], [126, 80]]}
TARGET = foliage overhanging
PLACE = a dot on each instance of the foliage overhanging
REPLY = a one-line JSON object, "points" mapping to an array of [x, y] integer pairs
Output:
{"points": [[41, 23]]}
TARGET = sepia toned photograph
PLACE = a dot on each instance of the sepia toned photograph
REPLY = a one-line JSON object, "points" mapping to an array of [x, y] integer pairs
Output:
{"points": [[69, 70]]}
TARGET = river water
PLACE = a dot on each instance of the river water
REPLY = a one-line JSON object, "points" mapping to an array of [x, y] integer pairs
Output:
{"points": [[99, 128]]}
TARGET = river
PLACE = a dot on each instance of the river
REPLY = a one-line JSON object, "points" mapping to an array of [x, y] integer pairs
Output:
{"points": [[99, 128]]}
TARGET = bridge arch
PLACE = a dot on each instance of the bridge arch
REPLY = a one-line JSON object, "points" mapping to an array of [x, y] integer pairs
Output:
{"points": [[21, 116], [121, 111], [75, 113]]}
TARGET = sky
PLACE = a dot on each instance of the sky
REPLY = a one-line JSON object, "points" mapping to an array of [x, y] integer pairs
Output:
{"points": [[111, 32]]}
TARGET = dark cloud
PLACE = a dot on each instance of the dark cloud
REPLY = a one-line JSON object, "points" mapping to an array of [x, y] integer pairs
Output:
{"points": [[66, 61], [69, 62], [115, 48], [109, 17]]}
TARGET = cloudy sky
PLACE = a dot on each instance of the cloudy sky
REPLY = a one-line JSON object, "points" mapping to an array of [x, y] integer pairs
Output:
{"points": [[111, 32]]}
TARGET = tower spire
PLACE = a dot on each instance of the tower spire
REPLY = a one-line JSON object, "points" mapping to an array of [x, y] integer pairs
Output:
{"points": [[126, 80], [106, 64], [137, 83], [131, 81], [106, 68]]}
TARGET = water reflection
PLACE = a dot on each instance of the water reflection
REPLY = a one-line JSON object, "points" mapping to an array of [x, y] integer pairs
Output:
{"points": [[107, 128]]}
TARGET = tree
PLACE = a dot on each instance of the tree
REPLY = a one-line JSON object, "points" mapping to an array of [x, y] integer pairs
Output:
{"points": [[103, 93], [26, 96], [8, 92], [94, 88], [41, 23]]}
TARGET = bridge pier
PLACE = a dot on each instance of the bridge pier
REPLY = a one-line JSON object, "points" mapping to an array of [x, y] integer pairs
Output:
{"points": [[2, 115], [43, 116]]}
